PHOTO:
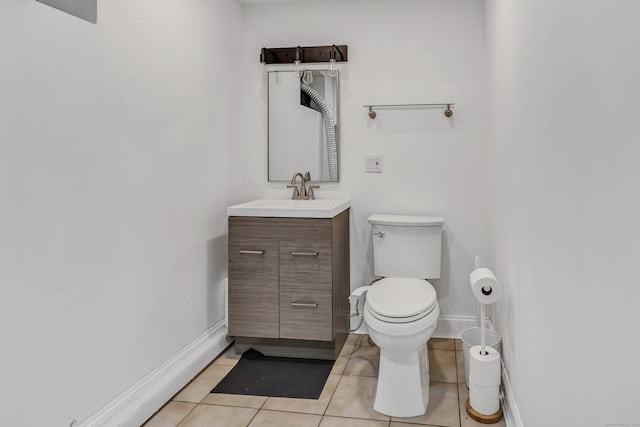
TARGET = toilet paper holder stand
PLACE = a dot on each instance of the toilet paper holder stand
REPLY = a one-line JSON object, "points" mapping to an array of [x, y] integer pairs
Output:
{"points": [[477, 416]]}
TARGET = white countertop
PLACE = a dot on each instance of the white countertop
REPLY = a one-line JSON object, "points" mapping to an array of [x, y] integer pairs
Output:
{"points": [[287, 208]]}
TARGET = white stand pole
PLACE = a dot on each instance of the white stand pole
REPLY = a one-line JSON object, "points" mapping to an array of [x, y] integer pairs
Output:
{"points": [[483, 340], [483, 349]]}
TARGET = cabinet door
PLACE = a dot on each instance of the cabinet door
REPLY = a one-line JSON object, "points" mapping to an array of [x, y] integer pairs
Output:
{"points": [[305, 264], [306, 315], [253, 288]]}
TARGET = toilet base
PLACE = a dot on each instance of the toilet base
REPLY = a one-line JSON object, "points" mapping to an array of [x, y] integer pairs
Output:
{"points": [[403, 382]]}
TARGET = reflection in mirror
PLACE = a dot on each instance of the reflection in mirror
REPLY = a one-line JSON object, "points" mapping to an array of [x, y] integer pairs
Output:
{"points": [[303, 123]]}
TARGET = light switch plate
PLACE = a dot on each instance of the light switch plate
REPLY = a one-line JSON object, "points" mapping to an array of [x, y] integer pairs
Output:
{"points": [[373, 164]]}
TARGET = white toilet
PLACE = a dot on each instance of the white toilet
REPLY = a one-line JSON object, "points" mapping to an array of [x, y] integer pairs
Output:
{"points": [[401, 310]]}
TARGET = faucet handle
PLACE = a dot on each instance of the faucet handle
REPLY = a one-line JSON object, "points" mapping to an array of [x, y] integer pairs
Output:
{"points": [[296, 192], [310, 187]]}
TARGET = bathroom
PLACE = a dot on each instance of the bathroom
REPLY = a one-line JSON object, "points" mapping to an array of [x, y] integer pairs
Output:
{"points": [[124, 142]]}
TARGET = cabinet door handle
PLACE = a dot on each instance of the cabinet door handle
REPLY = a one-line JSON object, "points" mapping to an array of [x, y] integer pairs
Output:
{"points": [[252, 252], [304, 253], [305, 304]]}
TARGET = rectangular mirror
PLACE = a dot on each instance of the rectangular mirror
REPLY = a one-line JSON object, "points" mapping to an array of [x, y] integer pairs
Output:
{"points": [[303, 124]]}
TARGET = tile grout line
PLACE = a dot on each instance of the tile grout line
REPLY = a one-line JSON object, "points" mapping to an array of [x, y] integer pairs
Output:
{"points": [[332, 394], [201, 402], [458, 392], [259, 409], [324, 413], [187, 385], [459, 410], [455, 358], [188, 413], [374, 420], [254, 416]]}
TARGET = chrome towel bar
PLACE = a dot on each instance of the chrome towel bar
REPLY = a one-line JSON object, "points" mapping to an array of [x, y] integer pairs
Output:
{"points": [[372, 114]]}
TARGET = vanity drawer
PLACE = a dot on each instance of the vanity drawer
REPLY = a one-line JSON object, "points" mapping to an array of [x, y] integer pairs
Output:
{"points": [[253, 288], [279, 228], [306, 315], [305, 264]]}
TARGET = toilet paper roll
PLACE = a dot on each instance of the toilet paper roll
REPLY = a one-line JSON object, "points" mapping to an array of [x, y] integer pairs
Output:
{"points": [[484, 368], [485, 403], [484, 285], [485, 400]]}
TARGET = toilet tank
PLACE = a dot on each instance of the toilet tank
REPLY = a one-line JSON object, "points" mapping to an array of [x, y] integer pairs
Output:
{"points": [[407, 245]]}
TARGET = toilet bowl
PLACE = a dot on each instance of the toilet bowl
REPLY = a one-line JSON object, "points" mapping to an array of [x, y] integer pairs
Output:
{"points": [[401, 310], [401, 315]]}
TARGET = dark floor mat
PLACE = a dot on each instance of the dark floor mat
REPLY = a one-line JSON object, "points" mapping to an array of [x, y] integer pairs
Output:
{"points": [[260, 375]]}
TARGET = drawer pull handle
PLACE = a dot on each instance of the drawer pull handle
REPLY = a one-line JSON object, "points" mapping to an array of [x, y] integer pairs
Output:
{"points": [[252, 252], [304, 253], [305, 304]]}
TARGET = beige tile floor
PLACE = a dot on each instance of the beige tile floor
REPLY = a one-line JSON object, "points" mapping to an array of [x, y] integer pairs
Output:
{"points": [[346, 400]]}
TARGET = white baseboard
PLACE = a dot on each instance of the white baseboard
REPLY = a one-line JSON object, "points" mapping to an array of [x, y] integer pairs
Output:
{"points": [[143, 399], [509, 407], [452, 326]]}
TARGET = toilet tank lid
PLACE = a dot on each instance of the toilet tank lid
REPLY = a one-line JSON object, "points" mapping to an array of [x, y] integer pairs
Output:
{"points": [[406, 220]]}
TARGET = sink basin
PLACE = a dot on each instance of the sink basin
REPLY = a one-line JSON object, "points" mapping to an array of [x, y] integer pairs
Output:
{"points": [[286, 208]]}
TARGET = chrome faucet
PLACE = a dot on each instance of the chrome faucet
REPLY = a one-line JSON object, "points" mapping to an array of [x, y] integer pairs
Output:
{"points": [[298, 192], [303, 191]]}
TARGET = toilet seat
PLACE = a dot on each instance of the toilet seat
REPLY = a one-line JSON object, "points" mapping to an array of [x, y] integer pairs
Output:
{"points": [[401, 300]]}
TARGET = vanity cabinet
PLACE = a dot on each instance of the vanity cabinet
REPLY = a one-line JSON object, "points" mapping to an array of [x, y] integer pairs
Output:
{"points": [[289, 284]]}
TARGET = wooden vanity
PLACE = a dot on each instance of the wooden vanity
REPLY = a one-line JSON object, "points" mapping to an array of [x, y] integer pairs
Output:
{"points": [[289, 284]]}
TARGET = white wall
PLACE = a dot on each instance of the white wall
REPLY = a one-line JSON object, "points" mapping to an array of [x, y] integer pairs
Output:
{"points": [[113, 189], [564, 162], [405, 51]]}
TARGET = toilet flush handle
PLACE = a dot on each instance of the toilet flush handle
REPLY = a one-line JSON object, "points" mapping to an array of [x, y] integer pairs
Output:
{"points": [[379, 233]]}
